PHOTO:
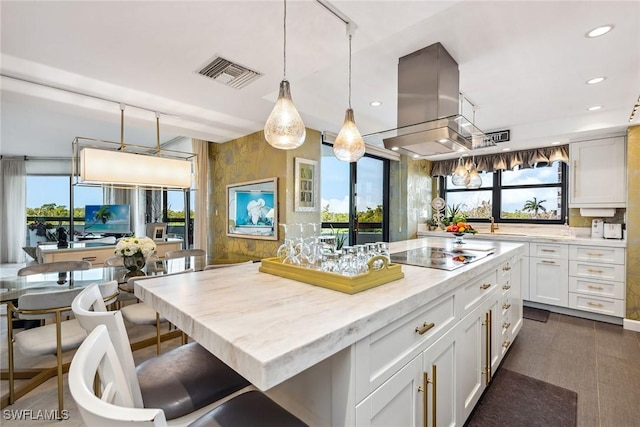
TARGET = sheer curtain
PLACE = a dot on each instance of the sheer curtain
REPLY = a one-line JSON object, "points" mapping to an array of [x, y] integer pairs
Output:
{"points": [[13, 211], [200, 228]]}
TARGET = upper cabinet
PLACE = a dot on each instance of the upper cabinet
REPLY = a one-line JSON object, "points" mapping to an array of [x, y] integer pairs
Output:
{"points": [[598, 173]]}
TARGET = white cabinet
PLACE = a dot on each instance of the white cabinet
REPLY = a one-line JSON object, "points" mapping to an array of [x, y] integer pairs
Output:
{"points": [[440, 386], [548, 274], [598, 173], [431, 366], [396, 402], [597, 279]]}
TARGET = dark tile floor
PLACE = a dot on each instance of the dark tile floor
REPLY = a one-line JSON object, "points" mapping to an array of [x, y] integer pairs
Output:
{"points": [[599, 361]]}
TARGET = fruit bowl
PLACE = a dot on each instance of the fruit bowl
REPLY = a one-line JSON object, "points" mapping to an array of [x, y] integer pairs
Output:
{"points": [[460, 227]]}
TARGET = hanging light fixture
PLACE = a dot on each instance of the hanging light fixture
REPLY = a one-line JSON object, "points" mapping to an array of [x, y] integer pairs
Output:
{"points": [[284, 128], [349, 145], [475, 181], [460, 175], [104, 162]]}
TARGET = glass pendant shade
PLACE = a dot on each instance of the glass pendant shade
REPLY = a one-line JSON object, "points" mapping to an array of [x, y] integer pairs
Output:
{"points": [[475, 181], [349, 145], [460, 175], [284, 128]]}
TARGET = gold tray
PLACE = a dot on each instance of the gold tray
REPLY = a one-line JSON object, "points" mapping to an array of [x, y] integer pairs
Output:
{"points": [[337, 282]]}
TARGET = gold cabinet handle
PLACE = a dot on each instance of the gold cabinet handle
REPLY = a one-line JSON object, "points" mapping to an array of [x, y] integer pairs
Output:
{"points": [[506, 287], [506, 344], [506, 268], [424, 328], [595, 304], [434, 395], [506, 325], [548, 250], [598, 288], [594, 254], [425, 399], [89, 258], [506, 306], [595, 270], [485, 286], [487, 328], [544, 261]]}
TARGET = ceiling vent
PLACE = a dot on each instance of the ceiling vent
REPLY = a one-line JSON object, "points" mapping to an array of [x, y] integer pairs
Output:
{"points": [[229, 73]]}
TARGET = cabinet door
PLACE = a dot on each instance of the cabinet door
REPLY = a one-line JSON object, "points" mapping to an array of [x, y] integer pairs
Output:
{"points": [[549, 281], [598, 173], [471, 366], [397, 401], [440, 398]]}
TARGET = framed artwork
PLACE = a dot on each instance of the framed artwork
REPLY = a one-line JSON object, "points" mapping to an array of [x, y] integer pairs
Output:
{"points": [[306, 185], [252, 209], [157, 231]]}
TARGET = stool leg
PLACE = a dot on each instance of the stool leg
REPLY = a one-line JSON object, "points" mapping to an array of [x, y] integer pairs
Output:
{"points": [[157, 333], [10, 348], [59, 360]]}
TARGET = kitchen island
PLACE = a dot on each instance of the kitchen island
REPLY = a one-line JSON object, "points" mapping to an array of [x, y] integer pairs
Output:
{"points": [[335, 359]]}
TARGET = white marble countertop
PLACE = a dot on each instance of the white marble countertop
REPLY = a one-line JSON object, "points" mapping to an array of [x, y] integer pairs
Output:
{"points": [[269, 328], [515, 236]]}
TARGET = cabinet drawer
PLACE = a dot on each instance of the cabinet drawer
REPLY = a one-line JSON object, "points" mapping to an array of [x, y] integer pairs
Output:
{"points": [[597, 254], [472, 294], [585, 269], [549, 250], [385, 351], [96, 257], [601, 288], [608, 306]]}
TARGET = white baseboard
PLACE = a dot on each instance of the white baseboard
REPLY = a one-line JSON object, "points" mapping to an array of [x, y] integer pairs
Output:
{"points": [[632, 325]]}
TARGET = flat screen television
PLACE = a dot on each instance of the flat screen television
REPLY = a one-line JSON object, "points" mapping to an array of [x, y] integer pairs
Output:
{"points": [[108, 220]]}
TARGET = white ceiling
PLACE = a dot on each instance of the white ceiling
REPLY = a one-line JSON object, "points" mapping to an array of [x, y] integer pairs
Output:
{"points": [[523, 63]]}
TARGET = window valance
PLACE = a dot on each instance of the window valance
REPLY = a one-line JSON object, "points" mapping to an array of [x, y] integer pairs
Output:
{"points": [[506, 161]]}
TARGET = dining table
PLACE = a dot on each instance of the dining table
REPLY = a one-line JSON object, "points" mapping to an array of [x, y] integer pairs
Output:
{"points": [[12, 287]]}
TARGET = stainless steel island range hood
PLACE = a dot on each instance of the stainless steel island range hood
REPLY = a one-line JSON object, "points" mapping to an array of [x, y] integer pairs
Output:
{"points": [[429, 122]]}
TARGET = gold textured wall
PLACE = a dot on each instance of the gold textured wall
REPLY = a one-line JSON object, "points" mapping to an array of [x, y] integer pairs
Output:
{"points": [[633, 223], [247, 159], [410, 194]]}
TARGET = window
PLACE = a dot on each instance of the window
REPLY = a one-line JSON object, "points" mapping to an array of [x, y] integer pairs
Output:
{"points": [[536, 195], [354, 197]]}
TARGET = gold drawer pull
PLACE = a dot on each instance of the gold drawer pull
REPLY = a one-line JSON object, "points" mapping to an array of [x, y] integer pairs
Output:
{"points": [[593, 270], [485, 286], [506, 344], [595, 304], [506, 268], [598, 288], [506, 325], [89, 258], [548, 250], [424, 328], [506, 306], [547, 262], [506, 287], [594, 254]]}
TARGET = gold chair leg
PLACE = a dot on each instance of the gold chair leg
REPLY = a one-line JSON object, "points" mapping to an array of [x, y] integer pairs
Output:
{"points": [[59, 360], [185, 338], [10, 348]]}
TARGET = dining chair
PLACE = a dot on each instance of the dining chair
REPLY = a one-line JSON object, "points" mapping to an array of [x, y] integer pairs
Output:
{"points": [[124, 296], [50, 339], [143, 314], [195, 259], [116, 404], [179, 381]]}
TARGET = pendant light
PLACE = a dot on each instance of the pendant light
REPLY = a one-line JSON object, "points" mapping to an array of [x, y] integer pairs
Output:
{"points": [[460, 175], [475, 181], [284, 128], [349, 145]]}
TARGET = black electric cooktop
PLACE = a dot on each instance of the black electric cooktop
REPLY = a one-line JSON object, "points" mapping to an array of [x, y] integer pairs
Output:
{"points": [[440, 258]]}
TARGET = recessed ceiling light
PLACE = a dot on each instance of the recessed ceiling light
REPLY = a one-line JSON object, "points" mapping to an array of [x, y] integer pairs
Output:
{"points": [[375, 103], [394, 148], [594, 108], [415, 156], [443, 140], [556, 143], [596, 80], [506, 149], [598, 31]]}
